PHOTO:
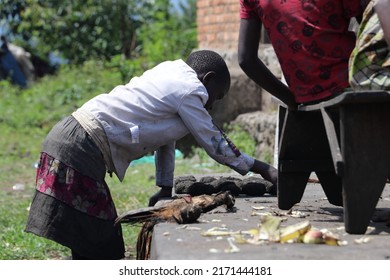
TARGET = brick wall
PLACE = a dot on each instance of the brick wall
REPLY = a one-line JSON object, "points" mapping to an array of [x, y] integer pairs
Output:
{"points": [[218, 24], [218, 27]]}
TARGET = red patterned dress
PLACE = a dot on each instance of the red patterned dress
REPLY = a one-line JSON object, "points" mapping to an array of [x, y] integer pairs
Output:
{"points": [[311, 40], [72, 204]]}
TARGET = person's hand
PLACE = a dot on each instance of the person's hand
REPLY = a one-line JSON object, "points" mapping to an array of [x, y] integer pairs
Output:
{"points": [[164, 192], [268, 172], [271, 175]]}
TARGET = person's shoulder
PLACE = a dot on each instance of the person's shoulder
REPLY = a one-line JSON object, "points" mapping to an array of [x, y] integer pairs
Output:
{"points": [[178, 74], [171, 63], [170, 66], [180, 70]]}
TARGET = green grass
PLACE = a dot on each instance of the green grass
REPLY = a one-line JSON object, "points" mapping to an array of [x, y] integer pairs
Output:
{"points": [[25, 119]]}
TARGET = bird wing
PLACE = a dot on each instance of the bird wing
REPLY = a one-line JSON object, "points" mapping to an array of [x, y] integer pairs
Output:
{"points": [[175, 210], [180, 210], [139, 215]]}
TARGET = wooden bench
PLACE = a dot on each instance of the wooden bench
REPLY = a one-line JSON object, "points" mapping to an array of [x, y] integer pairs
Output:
{"points": [[346, 142]]}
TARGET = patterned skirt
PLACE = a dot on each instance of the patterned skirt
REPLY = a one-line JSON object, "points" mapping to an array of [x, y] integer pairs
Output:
{"points": [[72, 204]]}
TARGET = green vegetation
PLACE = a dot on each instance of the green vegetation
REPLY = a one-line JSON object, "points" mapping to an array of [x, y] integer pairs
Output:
{"points": [[83, 30]]}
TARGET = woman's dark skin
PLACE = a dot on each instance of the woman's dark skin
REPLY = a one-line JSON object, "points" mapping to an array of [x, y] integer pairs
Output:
{"points": [[248, 46]]}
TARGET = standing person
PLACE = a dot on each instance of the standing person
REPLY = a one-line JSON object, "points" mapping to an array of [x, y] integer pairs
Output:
{"points": [[370, 60], [72, 204], [311, 40]]}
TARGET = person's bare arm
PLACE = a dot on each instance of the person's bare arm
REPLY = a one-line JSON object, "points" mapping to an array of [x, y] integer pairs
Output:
{"points": [[266, 170], [382, 8], [248, 45]]}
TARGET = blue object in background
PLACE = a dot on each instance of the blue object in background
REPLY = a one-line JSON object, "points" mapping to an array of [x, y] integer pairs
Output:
{"points": [[150, 159], [10, 67]]}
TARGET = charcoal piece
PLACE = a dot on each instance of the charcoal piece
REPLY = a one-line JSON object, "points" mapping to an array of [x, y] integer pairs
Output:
{"points": [[252, 191], [182, 182], [253, 186], [194, 188], [271, 188], [207, 179], [185, 178], [199, 188], [227, 184]]}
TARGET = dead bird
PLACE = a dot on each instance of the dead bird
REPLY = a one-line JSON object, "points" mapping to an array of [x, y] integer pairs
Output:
{"points": [[182, 210]]}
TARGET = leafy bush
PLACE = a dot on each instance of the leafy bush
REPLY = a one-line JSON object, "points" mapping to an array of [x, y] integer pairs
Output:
{"points": [[237, 135], [241, 139]]}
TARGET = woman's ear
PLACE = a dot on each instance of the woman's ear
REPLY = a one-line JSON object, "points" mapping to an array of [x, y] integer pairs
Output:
{"points": [[207, 77]]}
